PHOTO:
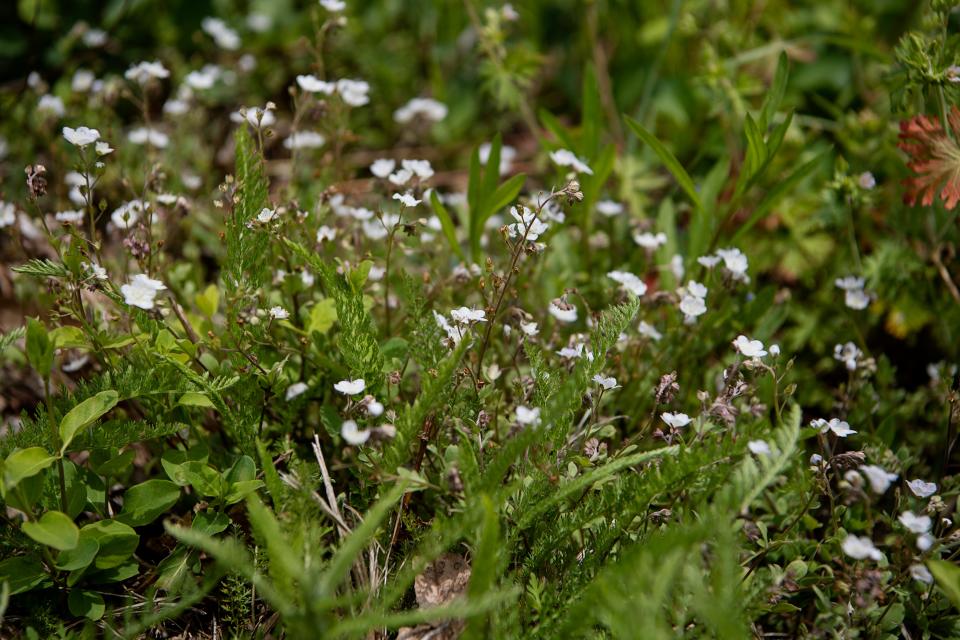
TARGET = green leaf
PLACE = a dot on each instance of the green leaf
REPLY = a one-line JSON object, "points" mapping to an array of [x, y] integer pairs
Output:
{"points": [[947, 575], [40, 348], [21, 573], [117, 464], [505, 194], [117, 542], [54, 529], [322, 316], [23, 464], [68, 337], [591, 121], [85, 414], [771, 103], [446, 223], [491, 172], [668, 159], [781, 189], [86, 604], [551, 124], [145, 502], [80, 556], [195, 399], [208, 301]]}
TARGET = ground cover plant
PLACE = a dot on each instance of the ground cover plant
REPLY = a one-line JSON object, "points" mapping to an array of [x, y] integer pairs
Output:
{"points": [[557, 319]]}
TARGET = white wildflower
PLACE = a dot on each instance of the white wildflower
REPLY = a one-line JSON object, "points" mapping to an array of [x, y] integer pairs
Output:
{"points": [[350, 387], [352, 434], [81, 136], [294, 390], [141, 291], [675, 420], [860, 548], [426, 108]]}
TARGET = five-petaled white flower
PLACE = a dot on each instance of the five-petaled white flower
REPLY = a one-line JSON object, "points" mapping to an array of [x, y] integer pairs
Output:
{"points": [[144, 72], [353, 434], [922, 488], [692, 306], [406, 199], [528, 416], [759, 447], [915, 523], [566, 158], [675, 420], [650, 241], [860, 548], [649, 331], [383, 167], [325, 233], [149, 136], [224, 36], [81, 136], [840, 428], [314, 84], [749, 348], [427, 108], [294, 390], [527, 224], [351, 387], [266, 215], [466, 315], [848, 354], [529, 328], [141, 291], [305, 140], [878, 477], [279, 313], [629, 281], [921, 574], [609, 208], [607, 382]]}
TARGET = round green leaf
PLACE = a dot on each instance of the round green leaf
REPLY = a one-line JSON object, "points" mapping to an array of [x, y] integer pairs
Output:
{"points": [[80, 556], [24, 463], [86, 604], [144, 502], [117, 542], [21, 573], [54, 529]]}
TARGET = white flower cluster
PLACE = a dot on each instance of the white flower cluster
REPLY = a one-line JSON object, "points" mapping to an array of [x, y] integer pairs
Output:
{"points": [[854, 295], [693, 301], [735, 263], [426, 109], [354, 93]]}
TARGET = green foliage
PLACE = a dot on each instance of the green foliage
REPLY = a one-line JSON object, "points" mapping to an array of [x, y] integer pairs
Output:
{"points": [[589, 422]]}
